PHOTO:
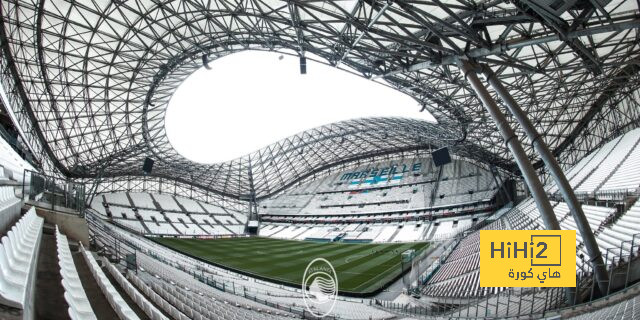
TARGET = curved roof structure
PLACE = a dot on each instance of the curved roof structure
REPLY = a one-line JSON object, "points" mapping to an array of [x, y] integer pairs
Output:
{"points": [[88, 81]]}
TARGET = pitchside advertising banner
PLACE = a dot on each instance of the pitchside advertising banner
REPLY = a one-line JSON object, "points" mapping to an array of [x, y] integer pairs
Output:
{"points": [[527, 258]]}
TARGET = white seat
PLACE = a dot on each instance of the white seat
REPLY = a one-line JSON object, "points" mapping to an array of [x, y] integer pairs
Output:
{"points": [[18, 253], [79, 306], [118, 304], [135, 295]]}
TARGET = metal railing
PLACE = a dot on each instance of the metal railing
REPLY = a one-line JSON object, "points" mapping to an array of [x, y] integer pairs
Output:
{"points": [[511, 302], [622, 264], [53, 193]]}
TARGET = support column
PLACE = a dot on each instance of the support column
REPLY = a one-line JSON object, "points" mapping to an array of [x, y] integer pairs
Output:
{"points": [[529, 174], [556, 172]]}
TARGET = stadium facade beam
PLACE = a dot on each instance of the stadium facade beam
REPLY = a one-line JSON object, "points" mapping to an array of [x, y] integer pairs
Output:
{"points": [[24, 97], [513, 144], [515, 147], [498, 49], [556, 172], [618, 81]]}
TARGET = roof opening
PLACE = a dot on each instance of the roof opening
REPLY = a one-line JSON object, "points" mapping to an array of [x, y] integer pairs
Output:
{"points": [[251, 99]]}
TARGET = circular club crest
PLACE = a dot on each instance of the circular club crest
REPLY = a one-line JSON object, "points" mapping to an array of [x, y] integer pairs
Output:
{"points": [[319, 287]]}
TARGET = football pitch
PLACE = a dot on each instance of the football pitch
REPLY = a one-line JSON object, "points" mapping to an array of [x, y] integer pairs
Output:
{"points": [[360, 268]]}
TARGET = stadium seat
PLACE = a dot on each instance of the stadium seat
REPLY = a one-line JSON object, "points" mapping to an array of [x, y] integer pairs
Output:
{"points": [[133, 293], [9, 207], [18, 256], [79, 306], [119, 305], [200, 219]]}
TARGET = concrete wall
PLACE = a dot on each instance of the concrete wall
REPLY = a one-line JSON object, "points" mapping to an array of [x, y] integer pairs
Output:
{"points": [[73, 226]]}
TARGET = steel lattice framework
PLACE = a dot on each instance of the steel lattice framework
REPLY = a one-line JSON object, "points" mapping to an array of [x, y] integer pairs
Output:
{"points": [[89, 81]]}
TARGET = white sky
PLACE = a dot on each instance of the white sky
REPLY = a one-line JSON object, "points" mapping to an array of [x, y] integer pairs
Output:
{"points": [[252, 99]]}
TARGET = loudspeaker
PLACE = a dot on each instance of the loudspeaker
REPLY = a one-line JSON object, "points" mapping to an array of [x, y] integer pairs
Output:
{"points": [[441, 157], [147, 166], [303, 65], [205, 62]]}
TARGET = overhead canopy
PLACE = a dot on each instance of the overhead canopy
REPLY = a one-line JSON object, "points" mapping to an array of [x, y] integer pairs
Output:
{"points": [[89, 81]]}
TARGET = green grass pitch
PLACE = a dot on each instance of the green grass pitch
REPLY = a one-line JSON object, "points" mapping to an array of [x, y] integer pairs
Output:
{"points": [[361, 268]]}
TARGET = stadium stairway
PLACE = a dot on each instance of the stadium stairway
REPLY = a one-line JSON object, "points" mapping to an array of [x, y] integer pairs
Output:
{"points": [[196, 223], [203, 208], [66, 284], [44, 292], [156, 203], [432, 232], [49, 300], [221, 224], [49, 293], [393, 236], [116, 297], [166, 218], [131, 202], [182, 208], [144, 225]]}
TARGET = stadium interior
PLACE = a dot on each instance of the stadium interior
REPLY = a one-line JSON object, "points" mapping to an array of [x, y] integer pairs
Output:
{"points": [[537, 127]]}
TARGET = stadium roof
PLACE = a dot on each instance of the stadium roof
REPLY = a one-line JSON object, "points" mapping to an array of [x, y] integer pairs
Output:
{"points": [[88, 81]]}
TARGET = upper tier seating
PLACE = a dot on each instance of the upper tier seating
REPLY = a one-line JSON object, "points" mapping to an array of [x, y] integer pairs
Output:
{"points": [[613, 159], [167, 202], [622, 230], [190, 205], [142, 200], [122, 212], [627, 176], [410, 187], [74, 294], [610, 237], [213, 208], [119, 198], [9, 207], [18, 260], [12, 166], [586, 166], [614, 167], [198, 218]]}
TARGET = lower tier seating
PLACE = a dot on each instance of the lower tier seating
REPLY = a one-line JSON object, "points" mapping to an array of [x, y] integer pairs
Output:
{"points": [[135, 295], [74, 294], [116, 301], [18, 260]]}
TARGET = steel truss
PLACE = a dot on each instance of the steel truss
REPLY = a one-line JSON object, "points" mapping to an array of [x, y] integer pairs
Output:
{"points": [[89, 81]]}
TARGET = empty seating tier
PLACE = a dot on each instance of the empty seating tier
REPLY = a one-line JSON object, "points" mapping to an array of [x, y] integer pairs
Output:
{"points": [[74, 294], [119, 305], [18, 260], [387, 187], [162, 214], [135, 295], [9, 207]]}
